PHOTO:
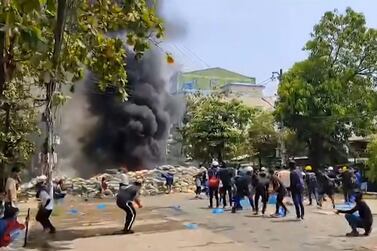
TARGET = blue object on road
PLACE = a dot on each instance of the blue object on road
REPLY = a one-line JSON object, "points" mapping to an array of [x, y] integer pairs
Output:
{"points": [[272, 199], [101, 206], [245, 204], [345, 206], [73, 211], [191, 226], [218, 211], [281, 212]]}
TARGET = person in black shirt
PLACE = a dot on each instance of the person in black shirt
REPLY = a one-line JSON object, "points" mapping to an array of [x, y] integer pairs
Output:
{"points": [[125, 198], [261, 191], [347, 184], [225, 175], [281, 191], [297, 189], [364, 220], [243, 188], [326, 186]]}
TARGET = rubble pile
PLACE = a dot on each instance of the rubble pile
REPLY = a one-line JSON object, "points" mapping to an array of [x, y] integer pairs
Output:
{"points": [[153, 182]]}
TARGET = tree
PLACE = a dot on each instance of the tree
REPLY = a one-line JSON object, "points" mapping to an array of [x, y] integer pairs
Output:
{"points": [[330, 96], [46, 43], [215, 128], [263, 137], [372, 159]]}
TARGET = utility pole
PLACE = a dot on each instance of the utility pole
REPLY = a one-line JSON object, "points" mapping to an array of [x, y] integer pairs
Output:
{"points": [[279, 76]]}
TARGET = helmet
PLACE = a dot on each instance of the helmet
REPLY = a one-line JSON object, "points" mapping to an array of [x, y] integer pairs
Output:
{"points": [[215, 163], [330, 168], [263, 169], [249, 168], [344, 168], [308, 168]]}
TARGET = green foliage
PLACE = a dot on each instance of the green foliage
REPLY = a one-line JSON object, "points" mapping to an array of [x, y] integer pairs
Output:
{"points": [[215, 128], [263, 137], [372, 159], [27, 44], [331, 95]]}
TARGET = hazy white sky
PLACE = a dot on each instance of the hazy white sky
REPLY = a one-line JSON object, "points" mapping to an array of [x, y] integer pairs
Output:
{"points": [[252, 37]]}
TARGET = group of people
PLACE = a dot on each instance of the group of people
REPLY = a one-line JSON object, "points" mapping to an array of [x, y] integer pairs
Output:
{"points": [[257, 185], [225, 185]]}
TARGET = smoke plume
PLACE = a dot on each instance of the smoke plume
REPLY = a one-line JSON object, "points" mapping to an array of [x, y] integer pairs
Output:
{"points": [[132, 133]]}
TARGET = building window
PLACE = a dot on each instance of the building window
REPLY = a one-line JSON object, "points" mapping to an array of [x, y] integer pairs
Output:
{"points": [[213, 83]]}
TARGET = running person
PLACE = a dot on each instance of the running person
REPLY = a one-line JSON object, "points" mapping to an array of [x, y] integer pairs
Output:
{"points": [[326, 186], [281, 191], [261, 191], [125, 198]]}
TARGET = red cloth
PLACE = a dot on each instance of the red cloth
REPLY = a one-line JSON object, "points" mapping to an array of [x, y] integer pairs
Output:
{"points": [[12, 226]]}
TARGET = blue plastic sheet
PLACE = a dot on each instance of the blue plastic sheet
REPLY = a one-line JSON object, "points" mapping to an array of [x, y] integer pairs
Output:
{"points": [[101, 206], [245, 204], [218, 211], [345, 206], [272, 199], [73, 211], [191, 226]]}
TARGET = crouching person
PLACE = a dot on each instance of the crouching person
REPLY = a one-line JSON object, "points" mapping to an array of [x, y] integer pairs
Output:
{"points": [[364, 220], [125, 198], [46, 205]]}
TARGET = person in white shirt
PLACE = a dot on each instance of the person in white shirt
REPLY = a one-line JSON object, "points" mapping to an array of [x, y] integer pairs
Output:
{"points": [[45, 207], [11, 189]]}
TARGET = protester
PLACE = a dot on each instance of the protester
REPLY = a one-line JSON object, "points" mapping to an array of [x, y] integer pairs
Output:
{"points": [[198, 184], [225, 176], [326, 186], [58, 190], [169, 178], [281, 191], [105, 191], [261, 191], [124, 180], [8, 225], [213, 184], [125, 199], [45, 206], [11, 190], [312, 184], [297, 189], [284, 176], [243, 189], [347, 184], [364, 220]]}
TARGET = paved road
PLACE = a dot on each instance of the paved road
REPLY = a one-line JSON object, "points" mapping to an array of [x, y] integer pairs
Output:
{"points": [[161, 226]]}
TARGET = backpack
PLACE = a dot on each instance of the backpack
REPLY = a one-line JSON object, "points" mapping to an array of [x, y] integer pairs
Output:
{"points": [[300, 184], [312, 179], [213, 182]]}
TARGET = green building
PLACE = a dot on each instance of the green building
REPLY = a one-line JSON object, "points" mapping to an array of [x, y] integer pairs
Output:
{"points": [[209, 79]]}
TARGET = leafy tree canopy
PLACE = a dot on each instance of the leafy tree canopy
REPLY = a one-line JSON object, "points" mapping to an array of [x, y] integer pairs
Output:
{"points": [[215, 128], [331, 95], [92, 39]]}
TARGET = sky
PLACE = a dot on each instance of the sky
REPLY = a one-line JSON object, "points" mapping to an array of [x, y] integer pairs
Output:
{"points": [[252, 37]]}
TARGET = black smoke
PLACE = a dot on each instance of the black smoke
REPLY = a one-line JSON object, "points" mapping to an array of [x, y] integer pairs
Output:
{"points": [[132, 133]]}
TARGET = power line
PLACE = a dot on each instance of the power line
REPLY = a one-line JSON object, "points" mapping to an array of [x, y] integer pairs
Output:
{"points": [[196, 56]]}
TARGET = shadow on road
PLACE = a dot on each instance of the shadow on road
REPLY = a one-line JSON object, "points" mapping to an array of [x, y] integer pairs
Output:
{"points": [[43, 242]]}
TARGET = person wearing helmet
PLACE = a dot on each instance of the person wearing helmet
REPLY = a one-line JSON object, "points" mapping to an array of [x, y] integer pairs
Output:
{"points": [[364, 220], [213, 184], [312, 184], [347, 184], [326, 186]]}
